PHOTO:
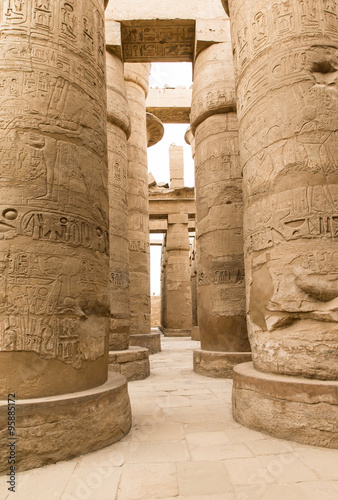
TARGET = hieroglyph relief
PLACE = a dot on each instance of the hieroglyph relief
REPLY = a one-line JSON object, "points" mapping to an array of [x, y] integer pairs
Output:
{"points": [[53, 179]]}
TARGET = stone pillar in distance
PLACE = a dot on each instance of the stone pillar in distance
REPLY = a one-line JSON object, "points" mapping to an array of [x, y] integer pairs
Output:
{"points": [[178, 319], [219, 207], [132, 362], [136, 78], [286, 78], [176, 165], [54, 251]]}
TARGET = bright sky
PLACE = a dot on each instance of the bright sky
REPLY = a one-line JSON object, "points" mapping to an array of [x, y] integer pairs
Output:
{"points": [[171, 74]]}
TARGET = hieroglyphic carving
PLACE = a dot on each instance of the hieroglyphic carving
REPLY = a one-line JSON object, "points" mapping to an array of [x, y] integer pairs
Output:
{"points": [[53, 181], [158, 41]]}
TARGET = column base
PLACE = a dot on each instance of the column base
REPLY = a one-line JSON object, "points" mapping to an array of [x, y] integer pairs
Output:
{"points": [[132, 363], [218, 364], [151, 341], [57, 428], [195, 333], [293, 408], [175, 332]]}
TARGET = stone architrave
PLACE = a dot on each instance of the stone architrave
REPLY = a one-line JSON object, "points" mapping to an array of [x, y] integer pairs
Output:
{"points": [[136, 79], [286, 79], [178, 320], [219, 210], [133, 362], [54, 251]]}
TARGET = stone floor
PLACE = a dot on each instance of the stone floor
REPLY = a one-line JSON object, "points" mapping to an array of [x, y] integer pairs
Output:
{"points": [[185, 444]]}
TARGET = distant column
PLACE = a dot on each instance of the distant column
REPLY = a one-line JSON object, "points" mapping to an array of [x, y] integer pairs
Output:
{"points": [[136, 78], [176, 163], [178, 284], [219, 207]]}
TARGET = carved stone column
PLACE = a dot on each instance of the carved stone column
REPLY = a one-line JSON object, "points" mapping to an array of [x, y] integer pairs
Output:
{"points": [[193, 278], [178, 321], [219, 207], [164, 284], [136, 78], [132, 362], [54, 251], [286, 79]]}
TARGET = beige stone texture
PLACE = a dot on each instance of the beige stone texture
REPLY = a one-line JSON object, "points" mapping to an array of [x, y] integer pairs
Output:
{"points": [[155, 130], [151, 341], [307, 409], [286, 79], [118, 130], [193, 278], [170, 105], [218, 364], [63, 427], [176, 165], [54, 252], [155, 311], [195, 333], [219, 203], [132, 363], [178, 321], [221, 455], [136, 77]]}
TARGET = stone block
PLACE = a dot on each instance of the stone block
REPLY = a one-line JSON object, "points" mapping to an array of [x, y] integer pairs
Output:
{"points": [[218, 364]]}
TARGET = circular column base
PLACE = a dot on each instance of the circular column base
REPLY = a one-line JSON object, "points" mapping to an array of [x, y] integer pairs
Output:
{"points": [[151, 341], [218, 364], [132, 363], [195, 333], [293, 408], [176, 332], [57, 428]]}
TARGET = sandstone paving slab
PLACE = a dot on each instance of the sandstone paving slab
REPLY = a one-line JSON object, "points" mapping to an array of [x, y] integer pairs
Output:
{"points": [[93, 483], [203, 478], [287, 468], [325, 490], [265, 491], [163, 431], [213, 452], [322, 461], [269, 446], [248, 471], [112, 456], [158, 451], [34, 484], [148, 481]]}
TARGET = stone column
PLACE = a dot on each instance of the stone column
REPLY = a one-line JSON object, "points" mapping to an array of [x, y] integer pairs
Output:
{"points": [[132, 362], [176, 164], [178, 285], [54, 255], [164, 284], [219, 207], [136, 78], [195, 333], [286, 78]]}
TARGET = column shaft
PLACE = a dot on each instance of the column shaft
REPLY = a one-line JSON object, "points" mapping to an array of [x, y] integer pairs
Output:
{"points": [[219, 212], [118, 129], [178, 283]]}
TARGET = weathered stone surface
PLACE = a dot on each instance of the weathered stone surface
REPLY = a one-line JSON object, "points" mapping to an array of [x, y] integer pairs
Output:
{"points": [[193, 279], [219, 203], [136, 77], [155, 130], [286, 75], [177, 280], [57, 428], [176, 165], [54, 225], [170, 105], [118, 130], [217, 364], [195, 333], [151, 341], [132, 363], [286, 407]]}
